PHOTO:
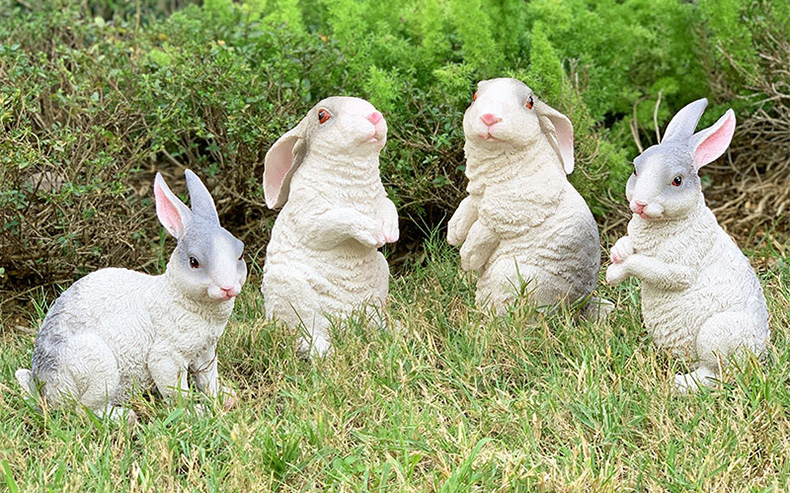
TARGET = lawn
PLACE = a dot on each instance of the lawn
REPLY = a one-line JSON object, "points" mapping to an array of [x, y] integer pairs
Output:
{"points": [[453, 400]]}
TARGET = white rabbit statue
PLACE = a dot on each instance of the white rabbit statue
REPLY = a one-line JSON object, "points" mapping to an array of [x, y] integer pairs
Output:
{"points": [[117, 329], [523, 221], [322, 259], [701, 300]]}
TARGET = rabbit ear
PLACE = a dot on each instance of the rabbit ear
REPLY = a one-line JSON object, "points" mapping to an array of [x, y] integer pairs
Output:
{"points": [[685, 121], [200, 199], [281, 161], [559, 129], [172, 213], [710, 144]]}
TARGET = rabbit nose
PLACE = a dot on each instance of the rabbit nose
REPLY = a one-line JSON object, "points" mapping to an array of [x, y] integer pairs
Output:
{"points": [[638, 206], [230, 292], [490, 119], [375, 117]]}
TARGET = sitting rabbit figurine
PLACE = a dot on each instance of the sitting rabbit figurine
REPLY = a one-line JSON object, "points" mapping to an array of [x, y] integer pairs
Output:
{"points": [[700, 297], [115, 329], [522, 219], [322, 259]]}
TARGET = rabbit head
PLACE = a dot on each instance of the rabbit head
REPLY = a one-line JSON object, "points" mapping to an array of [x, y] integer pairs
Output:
{"points": [[665, 183], [505, 114], [337, 127], [207, 263]]}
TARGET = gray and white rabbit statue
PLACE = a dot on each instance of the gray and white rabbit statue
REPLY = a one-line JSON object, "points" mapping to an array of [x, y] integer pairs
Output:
{"points": [[117, 329], [701, 300]]}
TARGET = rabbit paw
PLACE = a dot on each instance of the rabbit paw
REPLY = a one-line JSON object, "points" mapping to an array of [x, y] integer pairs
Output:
{"points": [[319, 347], [461, 221], [199, 410], [621, 250], [615, 274], [692, 382], [371, 240], [229, 398], [119, 415], [455, 234], [391, 232]]}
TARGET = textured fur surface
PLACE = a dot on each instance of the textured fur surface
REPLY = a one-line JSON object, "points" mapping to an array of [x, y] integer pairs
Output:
{"points": [[523, 220], [116, 330], [322, 259], [701, 300]]}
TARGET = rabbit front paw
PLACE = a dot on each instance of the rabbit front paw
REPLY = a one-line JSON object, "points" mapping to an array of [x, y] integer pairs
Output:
{"points": [[456, 234], [317, 346], [370, 239], [390, 231], [621, 250]]}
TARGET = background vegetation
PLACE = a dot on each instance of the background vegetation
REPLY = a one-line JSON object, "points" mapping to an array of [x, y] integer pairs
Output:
{"points": [[96, 96]]}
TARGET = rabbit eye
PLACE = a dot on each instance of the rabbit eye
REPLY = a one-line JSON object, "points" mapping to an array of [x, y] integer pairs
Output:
{"points": [[323, 116], [677, 181], [193, 262], [530, 103], [635, 174], [240, 256], [474, 98]]}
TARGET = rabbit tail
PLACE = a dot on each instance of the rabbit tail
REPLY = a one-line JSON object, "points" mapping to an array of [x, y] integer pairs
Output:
{"points": [[26, 380]]}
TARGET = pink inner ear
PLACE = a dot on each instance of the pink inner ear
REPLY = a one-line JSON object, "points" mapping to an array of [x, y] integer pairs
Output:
{"points": [[167, 212], [715, 144], [565, 140], [278, 163], [278, 172]]}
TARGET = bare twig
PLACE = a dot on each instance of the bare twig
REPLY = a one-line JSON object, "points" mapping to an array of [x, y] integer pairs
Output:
{"points": [[655, 115]]}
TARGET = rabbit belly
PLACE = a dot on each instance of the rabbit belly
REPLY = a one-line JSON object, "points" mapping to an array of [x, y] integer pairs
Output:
{"points": [[561, 258], [725, 284], [326, 283], [669, 321]]}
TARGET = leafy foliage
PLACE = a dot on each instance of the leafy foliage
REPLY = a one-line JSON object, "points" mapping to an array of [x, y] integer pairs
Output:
{"points": [[96, 96]]}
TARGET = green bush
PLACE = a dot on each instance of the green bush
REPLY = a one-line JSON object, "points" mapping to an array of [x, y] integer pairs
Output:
{"points": [[94, 101]]}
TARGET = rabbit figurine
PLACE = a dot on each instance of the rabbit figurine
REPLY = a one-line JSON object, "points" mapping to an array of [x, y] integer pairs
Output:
{"points": [[322, 259], [116, 329], [523, 220], [701, 300]]}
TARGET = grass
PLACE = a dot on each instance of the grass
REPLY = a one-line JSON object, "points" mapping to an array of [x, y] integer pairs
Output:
{"points": [[455, 401]]}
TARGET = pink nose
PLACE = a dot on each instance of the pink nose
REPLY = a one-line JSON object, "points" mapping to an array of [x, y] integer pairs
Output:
{"points": [[638, 207], [490, 119], [375, 117], [230, 292]]}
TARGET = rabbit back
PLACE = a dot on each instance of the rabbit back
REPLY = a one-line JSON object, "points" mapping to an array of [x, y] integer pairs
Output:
{"points": [[98, 308], [124, 315]]}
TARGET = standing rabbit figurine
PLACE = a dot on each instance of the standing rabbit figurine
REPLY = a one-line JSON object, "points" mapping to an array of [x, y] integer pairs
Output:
{"points": [[701, 300], [522, 219], [322, 259], [115, 329]]}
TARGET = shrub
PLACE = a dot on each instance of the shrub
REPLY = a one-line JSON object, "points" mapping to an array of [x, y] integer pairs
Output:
{"points": [[749, 43], [96, 96]]}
